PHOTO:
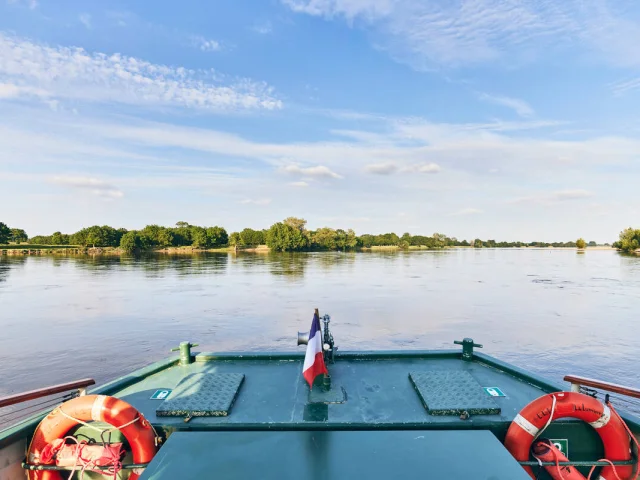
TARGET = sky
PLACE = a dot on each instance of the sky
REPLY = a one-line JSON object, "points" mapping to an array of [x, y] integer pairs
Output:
{"points": [[501, 119]]}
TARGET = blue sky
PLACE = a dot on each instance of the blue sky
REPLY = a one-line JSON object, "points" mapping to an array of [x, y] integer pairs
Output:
{"points": [[506, 119]]}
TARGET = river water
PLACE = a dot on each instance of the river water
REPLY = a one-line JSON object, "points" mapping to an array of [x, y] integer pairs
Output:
{"points": [[551, 311]]}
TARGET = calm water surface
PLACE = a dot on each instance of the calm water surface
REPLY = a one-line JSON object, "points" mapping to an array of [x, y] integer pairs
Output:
{"points": [[550, 311]]}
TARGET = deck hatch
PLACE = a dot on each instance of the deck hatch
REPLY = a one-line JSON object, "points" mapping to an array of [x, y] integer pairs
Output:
{"points": [[202, 395], [451, 392]]}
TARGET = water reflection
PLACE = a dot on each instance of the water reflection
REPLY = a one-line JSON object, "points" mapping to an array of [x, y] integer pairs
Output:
{"points": [[8, 263], [291, 266], [100, 316]]}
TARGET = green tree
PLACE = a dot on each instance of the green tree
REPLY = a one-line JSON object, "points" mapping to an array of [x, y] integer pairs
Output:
{"points": [[234, 239], [324, 238], [629, 240], [284, 238], [5, 233], [130, 242], [580, 243], [217, 237], [199, 237], [18, 235], [297, 223], [250, 237], [405, 240], [477, 243]]}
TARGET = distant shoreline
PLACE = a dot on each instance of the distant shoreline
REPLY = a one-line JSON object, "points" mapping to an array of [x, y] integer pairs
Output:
{"points": [[70, 250]]}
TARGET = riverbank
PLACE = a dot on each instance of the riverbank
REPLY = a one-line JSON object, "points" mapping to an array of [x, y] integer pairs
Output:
{"points": [[27, 249]]}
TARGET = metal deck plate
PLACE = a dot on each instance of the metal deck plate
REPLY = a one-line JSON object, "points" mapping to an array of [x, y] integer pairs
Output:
{"points": [[202, 395], [334, 455], [451, 392]]}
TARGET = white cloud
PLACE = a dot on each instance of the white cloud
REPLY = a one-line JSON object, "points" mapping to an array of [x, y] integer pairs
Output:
{"points": [[85, 19], [32, 4], [204, 44], [382, 168], [89, 185], [259, 201], [263, 28], [521, 107], [299, 184], [74, 73], [9, 90], [391, 168], [550, 198], [467, 211], [623, 86], [428, 33], [347, 8], [319, 171], [428, 168]]}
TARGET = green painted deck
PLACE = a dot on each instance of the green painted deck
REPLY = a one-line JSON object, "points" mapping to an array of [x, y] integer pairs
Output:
{"points": [[323, 455], [379, 394], [372, 421]]}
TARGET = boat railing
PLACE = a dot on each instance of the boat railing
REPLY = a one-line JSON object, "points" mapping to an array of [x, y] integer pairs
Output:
{"points": [[17, 406], [577, 384]]}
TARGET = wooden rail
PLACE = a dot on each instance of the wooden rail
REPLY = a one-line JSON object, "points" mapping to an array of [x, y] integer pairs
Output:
{"points": [[80, 385], [577, 382]]}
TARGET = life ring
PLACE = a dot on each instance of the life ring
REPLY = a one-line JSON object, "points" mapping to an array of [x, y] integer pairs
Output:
{"points": [[539, 413], [100, 408]]}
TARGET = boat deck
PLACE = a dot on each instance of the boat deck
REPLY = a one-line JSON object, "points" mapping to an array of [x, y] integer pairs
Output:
{"points": [[342, 455], [385, 412], [378, 394]]}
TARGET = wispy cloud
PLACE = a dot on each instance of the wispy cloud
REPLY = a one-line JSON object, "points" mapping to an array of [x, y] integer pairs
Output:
{"points": [[73, 73], [623, 86], [428, 33], [390, 168], [88, 185], [205, 44], [31, 4], [550, 198], [9, 90], [263, 28], [299, 184], [521, 107], [319, 171], [85, 19], [467, 211], [382, 168], [258, 201]]}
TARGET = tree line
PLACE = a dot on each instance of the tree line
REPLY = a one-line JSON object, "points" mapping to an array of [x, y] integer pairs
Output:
{"points": [[289, 235], [628, 240]]}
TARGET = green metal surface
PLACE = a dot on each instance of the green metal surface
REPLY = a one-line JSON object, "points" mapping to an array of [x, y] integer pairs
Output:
{"points": [[379, 397], [452, 392], [185, 352], [334, 455], [202, 395], [379, 394]]}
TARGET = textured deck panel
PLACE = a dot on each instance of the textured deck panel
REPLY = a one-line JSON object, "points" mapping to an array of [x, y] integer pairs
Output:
{"points": [[202, 395], [344, 455], [379, 393], [451, 392]]}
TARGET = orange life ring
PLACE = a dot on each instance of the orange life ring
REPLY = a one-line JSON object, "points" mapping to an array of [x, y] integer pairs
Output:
{"points": [[116, 412], [525, 427]]}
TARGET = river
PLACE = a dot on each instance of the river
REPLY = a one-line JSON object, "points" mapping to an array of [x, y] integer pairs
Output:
{"points": [[551, 311]]}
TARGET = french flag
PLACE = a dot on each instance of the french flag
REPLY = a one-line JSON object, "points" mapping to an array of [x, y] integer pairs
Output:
{"points": [[314, 358]]}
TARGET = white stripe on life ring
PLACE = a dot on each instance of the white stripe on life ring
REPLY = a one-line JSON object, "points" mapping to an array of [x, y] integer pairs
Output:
{"points": [[604, 418], [526, 425], [96, 408]]}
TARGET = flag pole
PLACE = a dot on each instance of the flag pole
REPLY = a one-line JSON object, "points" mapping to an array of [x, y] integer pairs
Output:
{"points": [[326, 379]]}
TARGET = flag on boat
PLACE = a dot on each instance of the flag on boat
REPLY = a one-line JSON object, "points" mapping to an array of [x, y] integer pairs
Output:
{"points": [[314, 358]]}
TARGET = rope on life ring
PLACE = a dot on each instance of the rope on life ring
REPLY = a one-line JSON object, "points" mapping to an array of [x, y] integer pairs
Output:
{"points": [[538, 415], [119, 414]]}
